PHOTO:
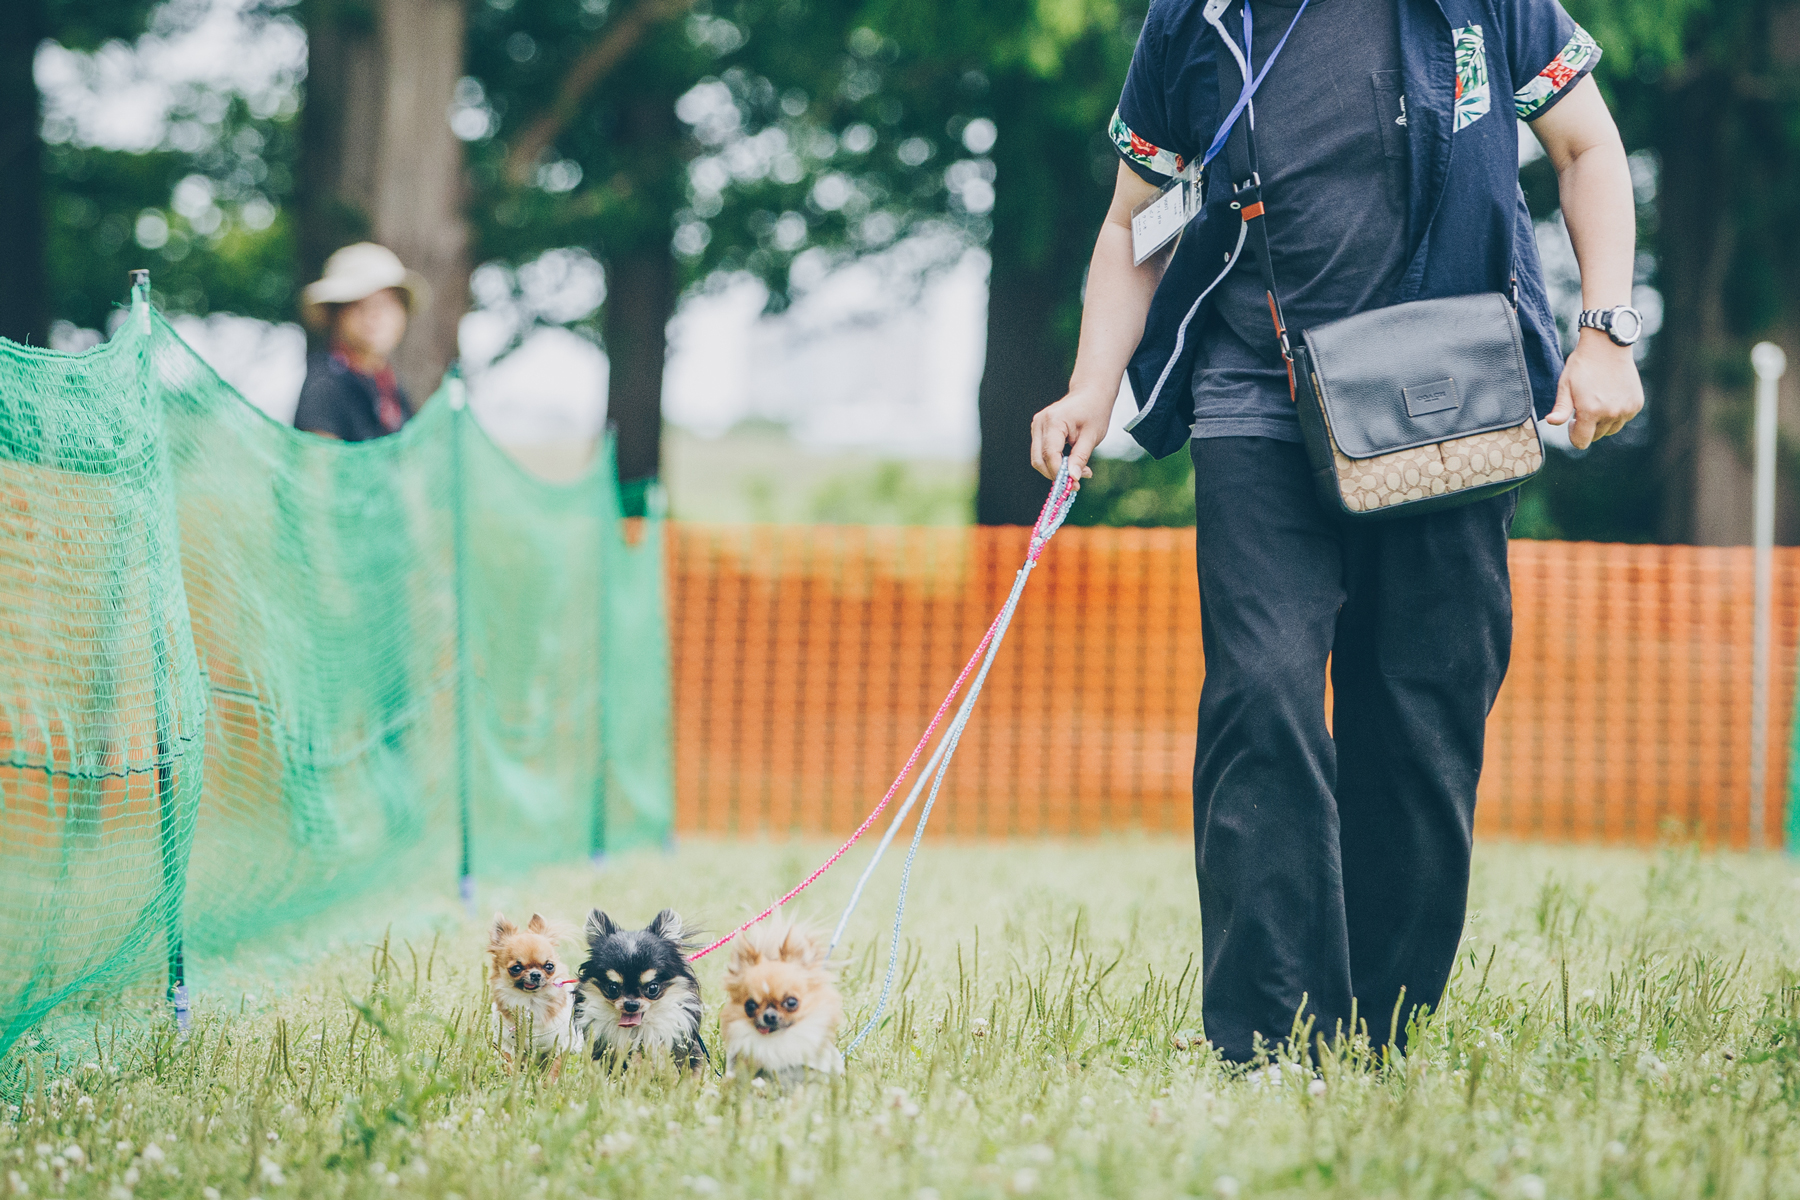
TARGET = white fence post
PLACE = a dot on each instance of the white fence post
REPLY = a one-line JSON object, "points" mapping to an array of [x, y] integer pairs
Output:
{"points": [[1769, 363]]}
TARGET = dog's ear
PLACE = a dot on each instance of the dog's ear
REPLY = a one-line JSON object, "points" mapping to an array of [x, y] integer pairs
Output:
{"points": [[797, 946], [599, 927], [503, 928], [745, 953], [537, 924], [667, 925]]}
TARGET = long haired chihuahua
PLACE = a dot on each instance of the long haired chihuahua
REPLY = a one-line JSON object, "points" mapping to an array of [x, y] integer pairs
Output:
{"points": [[782, 1011], [636, 992], [533, 1010]]}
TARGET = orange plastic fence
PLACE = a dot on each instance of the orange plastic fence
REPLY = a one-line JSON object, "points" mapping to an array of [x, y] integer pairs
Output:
{"points": [[808, 659]]}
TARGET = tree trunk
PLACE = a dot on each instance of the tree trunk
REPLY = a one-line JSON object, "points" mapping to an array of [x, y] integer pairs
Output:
{"points": [[1026, 368], [641, 281], [379, 160], [1727, 263], [24, 283], [1706, 494], [1047, 207], [640, 301]]}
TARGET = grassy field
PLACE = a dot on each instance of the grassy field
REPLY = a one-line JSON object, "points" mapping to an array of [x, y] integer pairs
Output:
{"points": [[1621, 1025]]}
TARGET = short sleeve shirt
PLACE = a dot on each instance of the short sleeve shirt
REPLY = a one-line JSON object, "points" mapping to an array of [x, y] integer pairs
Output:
{"points": [[1153, 127], [1461, 223]]}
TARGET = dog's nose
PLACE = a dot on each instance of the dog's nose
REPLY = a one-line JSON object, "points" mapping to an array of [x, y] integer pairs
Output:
{"points": [[535, 976], [770, 1018], [631, 1006]]}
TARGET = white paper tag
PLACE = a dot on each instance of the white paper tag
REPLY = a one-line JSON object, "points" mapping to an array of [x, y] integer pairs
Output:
{"points": [[1156, 222]]}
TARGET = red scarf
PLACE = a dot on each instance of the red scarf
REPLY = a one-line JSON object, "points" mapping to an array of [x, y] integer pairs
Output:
{"points": [[388, 409]]}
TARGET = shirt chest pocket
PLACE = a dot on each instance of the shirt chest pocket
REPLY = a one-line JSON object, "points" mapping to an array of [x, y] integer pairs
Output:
{"points": [[1390, 112]]}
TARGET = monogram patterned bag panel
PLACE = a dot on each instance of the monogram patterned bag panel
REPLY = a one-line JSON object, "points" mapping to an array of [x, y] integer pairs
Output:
{"points": [[1368, 484]]}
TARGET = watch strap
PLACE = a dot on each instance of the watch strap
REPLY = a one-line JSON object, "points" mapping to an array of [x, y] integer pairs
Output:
{"points": [[1606, 319]]}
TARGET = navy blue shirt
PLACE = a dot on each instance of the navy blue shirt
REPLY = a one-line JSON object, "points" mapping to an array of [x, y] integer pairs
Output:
{"points": [[1467, 229]]}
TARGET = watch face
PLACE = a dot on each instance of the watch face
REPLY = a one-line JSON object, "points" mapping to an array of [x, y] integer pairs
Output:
{"points": [[1627, 323]]}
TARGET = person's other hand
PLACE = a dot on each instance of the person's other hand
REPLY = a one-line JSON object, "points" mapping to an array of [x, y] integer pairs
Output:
{"points": [[1078, 421], [1599, 391]]}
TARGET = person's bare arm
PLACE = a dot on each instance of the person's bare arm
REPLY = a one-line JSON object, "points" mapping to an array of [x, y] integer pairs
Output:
{"points": [[1599, 390], [1113, 309]]}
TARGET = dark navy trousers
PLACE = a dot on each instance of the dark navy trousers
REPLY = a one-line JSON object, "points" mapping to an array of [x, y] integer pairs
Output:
{"points": [[1334, 865]]}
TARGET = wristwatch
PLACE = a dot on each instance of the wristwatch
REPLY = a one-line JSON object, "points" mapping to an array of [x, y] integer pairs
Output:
{"points": [[1622, 323]]}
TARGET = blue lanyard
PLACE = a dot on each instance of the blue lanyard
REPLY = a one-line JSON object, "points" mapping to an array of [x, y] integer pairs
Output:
{"points": [[1250, 85]]}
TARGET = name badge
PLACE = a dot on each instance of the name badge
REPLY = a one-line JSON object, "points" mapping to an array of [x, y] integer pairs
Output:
{"points": [[1160, 219]]}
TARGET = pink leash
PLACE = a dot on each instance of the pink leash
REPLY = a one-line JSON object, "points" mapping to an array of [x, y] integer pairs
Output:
{"points": [[1050, 517]]}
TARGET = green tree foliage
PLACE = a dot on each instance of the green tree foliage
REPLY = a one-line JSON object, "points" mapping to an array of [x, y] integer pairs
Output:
{"points": [[809, 132], [205, 222], [1708, 93], [25, 304], [203, 210]]}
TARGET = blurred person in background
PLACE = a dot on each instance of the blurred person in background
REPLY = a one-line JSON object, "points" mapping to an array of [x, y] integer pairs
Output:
{"points": [[1333, 862], [361, 304]]}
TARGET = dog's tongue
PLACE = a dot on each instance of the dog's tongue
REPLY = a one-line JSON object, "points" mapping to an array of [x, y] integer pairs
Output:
{"points": [[627, 1020]]}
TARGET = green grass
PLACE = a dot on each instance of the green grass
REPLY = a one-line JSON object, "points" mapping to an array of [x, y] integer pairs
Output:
{"points": [[1621, 1025]]}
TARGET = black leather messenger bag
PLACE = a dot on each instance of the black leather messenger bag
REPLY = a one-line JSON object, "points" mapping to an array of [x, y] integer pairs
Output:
{"points": [[1409, 408]]}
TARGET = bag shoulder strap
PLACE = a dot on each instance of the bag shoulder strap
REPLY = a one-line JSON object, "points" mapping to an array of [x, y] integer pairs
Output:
{"points": [[1247, 202]]}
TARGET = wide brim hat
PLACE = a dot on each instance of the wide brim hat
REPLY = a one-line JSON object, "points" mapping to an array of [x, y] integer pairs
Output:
{"points": [[357, 272]]}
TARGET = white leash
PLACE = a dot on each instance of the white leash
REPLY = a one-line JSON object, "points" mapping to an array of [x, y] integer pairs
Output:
{"points": [[1056, 509]]}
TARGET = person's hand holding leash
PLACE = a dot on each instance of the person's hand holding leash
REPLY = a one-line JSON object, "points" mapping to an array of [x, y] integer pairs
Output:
{"points": [[1076, 423]]}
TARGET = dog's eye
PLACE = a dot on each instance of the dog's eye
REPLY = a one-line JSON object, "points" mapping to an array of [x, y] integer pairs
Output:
{"points": [[790, 1004], [652, 990], [514, 969], [549, 967], [610, 990], [749, 1008]]}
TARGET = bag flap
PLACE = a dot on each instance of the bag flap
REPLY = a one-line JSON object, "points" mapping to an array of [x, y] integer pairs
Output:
{"points": [[1417, 373]]}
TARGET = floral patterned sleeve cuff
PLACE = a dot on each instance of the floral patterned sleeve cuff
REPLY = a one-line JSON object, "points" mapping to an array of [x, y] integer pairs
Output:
{"points": [[1553, 82], [1142, 156]]}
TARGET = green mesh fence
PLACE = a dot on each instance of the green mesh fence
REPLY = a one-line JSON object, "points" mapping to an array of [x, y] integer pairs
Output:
{"points": [[247, 673]]}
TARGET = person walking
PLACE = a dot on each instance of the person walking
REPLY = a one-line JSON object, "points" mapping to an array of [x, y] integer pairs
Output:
{"points": [[1333, 863], [361, 304]]}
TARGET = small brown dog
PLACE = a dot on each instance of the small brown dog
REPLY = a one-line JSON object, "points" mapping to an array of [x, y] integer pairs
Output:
{"points": [[532, 1007], [783, 1010]]}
